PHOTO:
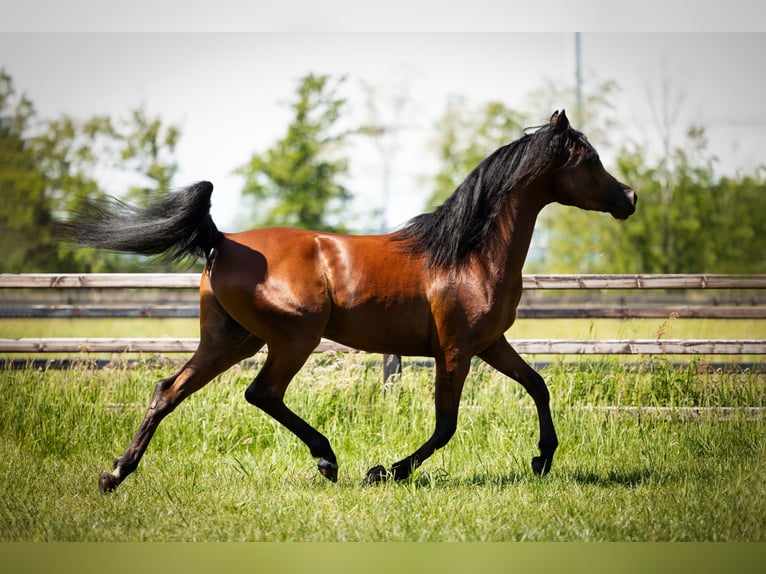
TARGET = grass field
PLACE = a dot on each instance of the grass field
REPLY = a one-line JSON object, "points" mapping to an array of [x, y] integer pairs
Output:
{"points": [[218, 469], [522, 329]]}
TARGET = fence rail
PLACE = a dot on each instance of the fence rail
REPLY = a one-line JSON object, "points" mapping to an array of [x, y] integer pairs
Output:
{"points": [[191, 281], [524, 346], [525, 312], [620, 310]]}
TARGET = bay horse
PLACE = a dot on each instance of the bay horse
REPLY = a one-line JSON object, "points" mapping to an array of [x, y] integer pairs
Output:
{"points": [[444, 286]]}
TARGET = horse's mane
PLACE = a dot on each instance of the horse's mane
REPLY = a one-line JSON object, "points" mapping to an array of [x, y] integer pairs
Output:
{"points": [[468, 219]]}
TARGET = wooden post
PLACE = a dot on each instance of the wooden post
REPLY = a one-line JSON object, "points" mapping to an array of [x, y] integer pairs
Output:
{"points": [[392, 367]]}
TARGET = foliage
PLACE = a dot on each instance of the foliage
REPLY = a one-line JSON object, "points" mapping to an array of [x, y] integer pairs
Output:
{"points": [[692, 220], [49, 166], [146, 147], [296, 182], [25, 212]]}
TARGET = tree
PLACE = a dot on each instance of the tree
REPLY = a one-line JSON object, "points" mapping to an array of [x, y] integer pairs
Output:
{"points": [[146, 147], [296, 182], [709, 224], [24, 213], [593, 112], [48, 167]]}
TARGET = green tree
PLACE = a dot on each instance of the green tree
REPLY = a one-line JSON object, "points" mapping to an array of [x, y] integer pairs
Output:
{"points": [[24, 212], [594, 115], [297, 181], [705, 224], [48, 167], [146, 147]]}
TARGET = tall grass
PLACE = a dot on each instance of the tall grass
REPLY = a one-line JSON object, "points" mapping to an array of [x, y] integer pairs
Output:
{"points": [[218, 469]]}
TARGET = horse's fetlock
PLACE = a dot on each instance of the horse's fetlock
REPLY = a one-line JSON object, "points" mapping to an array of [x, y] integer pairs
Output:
{"points": [[548, 448], [320, 448]]}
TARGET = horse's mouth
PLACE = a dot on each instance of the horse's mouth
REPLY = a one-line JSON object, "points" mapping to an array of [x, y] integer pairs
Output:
{"points": [[623, 213]]}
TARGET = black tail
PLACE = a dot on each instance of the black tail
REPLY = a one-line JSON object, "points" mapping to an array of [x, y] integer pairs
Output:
{"points": [[176, 227]]}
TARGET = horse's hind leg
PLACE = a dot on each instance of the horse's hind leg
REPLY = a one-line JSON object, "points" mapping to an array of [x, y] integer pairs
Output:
{"points": [[505, 359], [267, 392], [222, 343]]}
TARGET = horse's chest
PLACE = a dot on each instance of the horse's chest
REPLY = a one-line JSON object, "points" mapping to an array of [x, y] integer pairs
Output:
{"points": [[492, 314]]}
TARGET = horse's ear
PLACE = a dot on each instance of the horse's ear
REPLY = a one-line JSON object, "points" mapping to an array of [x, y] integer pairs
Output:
{"points": [[559, 121]]}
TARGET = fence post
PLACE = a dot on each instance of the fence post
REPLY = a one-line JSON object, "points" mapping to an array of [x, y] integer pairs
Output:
{"points": [[392, 366]]}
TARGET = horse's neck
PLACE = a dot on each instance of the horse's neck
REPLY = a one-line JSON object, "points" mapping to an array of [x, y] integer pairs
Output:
{"points": [[521, 216]]}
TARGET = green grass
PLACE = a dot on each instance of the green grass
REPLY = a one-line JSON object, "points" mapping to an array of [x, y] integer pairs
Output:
{"points": [[20, 328], [522, 329], [219, 469]]}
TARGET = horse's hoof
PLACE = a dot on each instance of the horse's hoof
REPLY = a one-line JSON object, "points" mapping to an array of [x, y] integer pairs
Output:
{"points": [[328, 469], [107, 483], [541, 465], [376, 474]]}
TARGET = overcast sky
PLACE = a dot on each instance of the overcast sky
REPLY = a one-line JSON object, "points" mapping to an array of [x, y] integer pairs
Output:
{"points": [[228, 91]]}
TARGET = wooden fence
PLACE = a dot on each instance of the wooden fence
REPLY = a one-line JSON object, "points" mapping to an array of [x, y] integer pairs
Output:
{"points": [[542, 307]]}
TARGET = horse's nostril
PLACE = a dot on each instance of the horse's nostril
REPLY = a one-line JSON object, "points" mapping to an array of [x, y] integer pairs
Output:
{"points": [[631, 195]]}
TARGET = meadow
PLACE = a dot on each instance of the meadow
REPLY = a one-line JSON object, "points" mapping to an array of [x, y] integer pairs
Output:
{"points": [[220, 470]]}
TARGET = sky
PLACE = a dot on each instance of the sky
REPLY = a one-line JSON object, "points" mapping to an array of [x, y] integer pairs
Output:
{"points": [[228, 87]]}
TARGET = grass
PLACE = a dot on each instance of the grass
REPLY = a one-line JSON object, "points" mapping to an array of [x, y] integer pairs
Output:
{"points": [[522, 329], [218, 469]]}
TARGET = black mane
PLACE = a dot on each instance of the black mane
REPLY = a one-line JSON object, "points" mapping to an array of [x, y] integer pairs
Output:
{"points": [[468, 219]]}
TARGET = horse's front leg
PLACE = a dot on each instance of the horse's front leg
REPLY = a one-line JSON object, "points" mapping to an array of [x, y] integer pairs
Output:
{"points": [[505, 359]]}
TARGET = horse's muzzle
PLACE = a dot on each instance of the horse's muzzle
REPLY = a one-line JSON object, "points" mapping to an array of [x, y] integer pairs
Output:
{"points": [[626, 205]]}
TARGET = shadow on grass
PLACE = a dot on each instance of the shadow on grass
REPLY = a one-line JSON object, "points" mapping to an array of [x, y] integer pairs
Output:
{"points": [[619, 477], [608, 478], [437, 478]]}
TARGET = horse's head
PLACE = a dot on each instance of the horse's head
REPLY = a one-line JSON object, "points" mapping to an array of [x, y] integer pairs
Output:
{"points": [[579, 179]]}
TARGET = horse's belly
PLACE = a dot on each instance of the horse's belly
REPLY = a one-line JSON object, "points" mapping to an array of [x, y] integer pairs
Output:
{"points": [[397, 332]]}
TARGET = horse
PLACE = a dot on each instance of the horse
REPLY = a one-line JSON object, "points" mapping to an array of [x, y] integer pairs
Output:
{"points": [[444, 286]]}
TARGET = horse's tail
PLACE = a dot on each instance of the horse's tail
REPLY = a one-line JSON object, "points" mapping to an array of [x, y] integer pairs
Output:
{"points": [[175, 227]]}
